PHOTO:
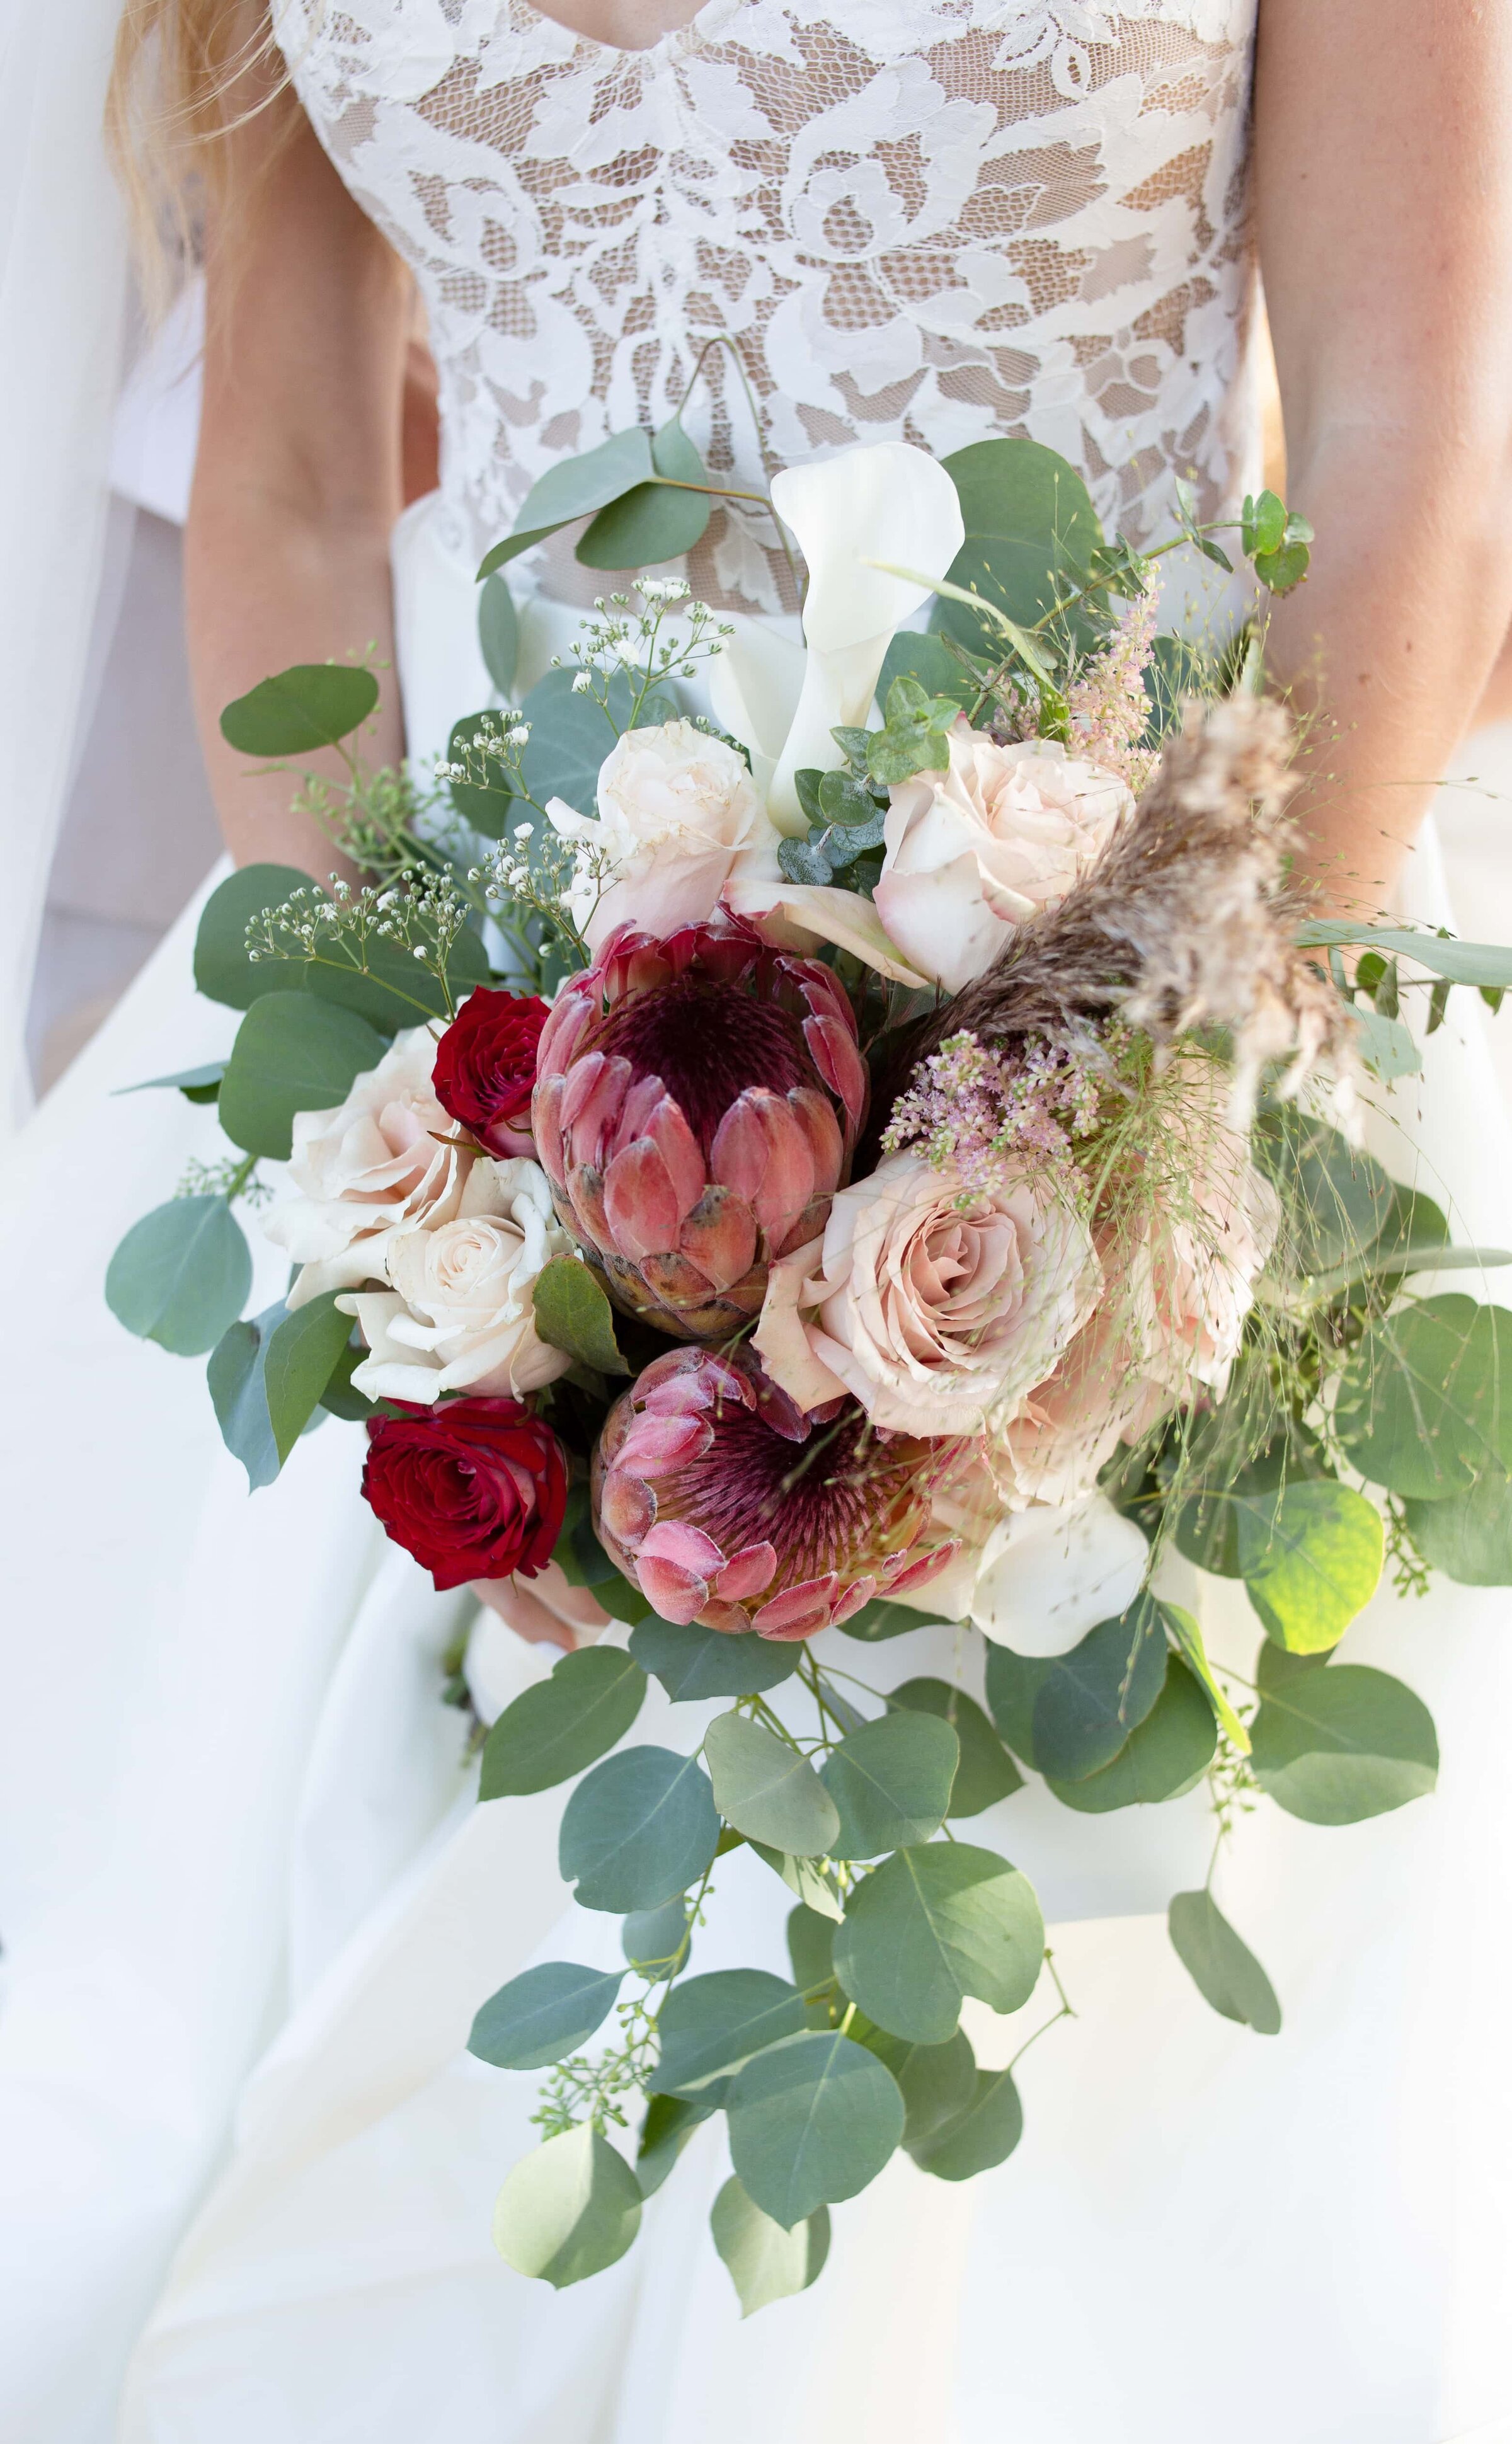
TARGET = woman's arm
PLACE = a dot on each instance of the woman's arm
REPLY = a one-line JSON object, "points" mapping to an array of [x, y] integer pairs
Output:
{"points": [[298, 478], [1383, 195]]}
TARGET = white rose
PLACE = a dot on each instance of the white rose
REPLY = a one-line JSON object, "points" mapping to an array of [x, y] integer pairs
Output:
{"points": [[1047, 1575], [974, 851], [460, 1315], [383, 1160], [676, 809], [934, 1311]]}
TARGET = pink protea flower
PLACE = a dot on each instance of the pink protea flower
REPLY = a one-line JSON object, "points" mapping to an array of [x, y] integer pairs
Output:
{"points": [[696, 1107], [725, 1504]]}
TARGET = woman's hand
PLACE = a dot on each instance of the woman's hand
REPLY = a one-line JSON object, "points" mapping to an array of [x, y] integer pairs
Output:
{"points": [[1383, 198], [297, 480]]}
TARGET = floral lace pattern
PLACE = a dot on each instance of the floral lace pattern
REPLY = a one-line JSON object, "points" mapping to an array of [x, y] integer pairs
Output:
{"points": [[922, 221]]}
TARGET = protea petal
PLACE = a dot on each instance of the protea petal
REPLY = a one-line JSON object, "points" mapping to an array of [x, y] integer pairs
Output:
{"points": [[747, 1572], [628, 1506], [656, 1444], [719, 1236], [679, 1149], [640, 1201], [839, 1064]]}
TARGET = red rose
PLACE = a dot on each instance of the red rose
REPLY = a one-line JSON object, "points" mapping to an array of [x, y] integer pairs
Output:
{"points": [[474, 1488], [486, 1067]]}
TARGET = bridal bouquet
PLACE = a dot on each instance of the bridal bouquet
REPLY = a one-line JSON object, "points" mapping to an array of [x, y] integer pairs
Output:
{"points": [[882, 1149]]}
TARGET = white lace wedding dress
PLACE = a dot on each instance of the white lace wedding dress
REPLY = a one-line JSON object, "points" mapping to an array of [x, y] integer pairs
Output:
{"points": [[251, 1904]]}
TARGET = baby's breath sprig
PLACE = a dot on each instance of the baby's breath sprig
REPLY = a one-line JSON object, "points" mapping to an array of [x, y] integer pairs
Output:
{"points": [[233, 1176], [419, 912], [627, 636], [537, 872]]}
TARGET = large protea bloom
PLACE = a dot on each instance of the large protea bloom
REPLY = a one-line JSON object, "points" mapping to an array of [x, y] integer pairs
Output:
{"points": [[727, 1504], [696, 1103]]}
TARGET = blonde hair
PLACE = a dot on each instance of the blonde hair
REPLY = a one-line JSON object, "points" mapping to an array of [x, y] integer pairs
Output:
{"points": [[187, 75]]}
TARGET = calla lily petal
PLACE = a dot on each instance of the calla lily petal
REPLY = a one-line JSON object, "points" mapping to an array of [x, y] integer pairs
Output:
{"points": [[823, 911]]}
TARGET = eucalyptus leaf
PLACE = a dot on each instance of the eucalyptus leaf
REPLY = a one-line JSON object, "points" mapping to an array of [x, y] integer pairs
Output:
{"points": [[669, 2122], [692, 1663], [710, 2026], [1426, 1401], [572, 1312], [544, 2014], [1221, 1965], [553, 1730], [986, 1772], [642, 1826], [1187, 1636], [488, 803], [1031, 534], [235, 1374], [200, 1085], [658, 1940], [498, 631], [812, 1886], [1386, 1046], [338, 1396], [223, 971], [811, 2121], [571, 735], [1336, 1199], [765, 2261], [880, 1619], [1461, 963], [181, 1274], [891, 1782], [299, 710], [574, 488], [569, 2209], [293, 1053], [936, 2082], [1069, 1715], [985, 2134], [922, 656], [1311, 1557], [931, 1925], [1166, 1754], [1335, 1745], [1468, 1536], [298, 1362], [767, 1790], [653, 523], [810, 1947]]}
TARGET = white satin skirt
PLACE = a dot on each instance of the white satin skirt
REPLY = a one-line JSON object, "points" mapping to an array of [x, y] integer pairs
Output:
{"points": [[249, 1906]]}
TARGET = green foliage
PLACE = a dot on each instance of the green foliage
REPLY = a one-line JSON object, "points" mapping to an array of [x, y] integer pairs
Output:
{"points": [[915, 735], [1031, 534], [573, 488], [891, 1782], [553, 1730], [542, 2014], [498, 633], [926, 658], [181, 1274], [658, 1940], [986, 1772], [812, 2120], [485, 800], [880, 1619], [1184, 1630], [710, 2025], [766, 2263], [1468, 1535], [931, 1925], [223, 971], [1334, 1744], [572, 1312], [200, 1085], [568, 2209], [293, 1053], [1424, 1404], [297, 1361], [1168, 1753], [810, 1947], [936, 2082], [1221, 1965], [669, 2122], [339, 1395], [235, 1374], [812, 1884], [1277, 540], [570, 735], [692, 1663], [1488, 965], [1069, 1715], [1336, 1200], [638, 1828], [300, 709], [985, 2133], [1311, 1559], [652, 523], [767, 1790]]}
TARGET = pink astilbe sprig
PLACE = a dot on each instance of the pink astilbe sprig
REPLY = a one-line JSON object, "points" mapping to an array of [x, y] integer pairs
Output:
{"points": [[980, 1111], [1109, 708]]}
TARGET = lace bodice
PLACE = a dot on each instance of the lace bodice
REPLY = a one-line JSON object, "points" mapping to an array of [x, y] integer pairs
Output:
{"points": [[925, 220]]}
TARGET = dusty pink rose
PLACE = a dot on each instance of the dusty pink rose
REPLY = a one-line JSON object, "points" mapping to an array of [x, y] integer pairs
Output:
{"points": [[972, 852], [1192, 1279], [936, 1311]]}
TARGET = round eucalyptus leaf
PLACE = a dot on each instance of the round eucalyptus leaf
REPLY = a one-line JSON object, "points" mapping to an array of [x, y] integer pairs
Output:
{"points": [[568, 2209], [572, 1312], [986, 1772], [553, 1730], [891, 1782], [691, 1663], [669, 2122], [1030, 533], [1168, 1753], [1426, 1401], [766, 2263], [299, 710], [573, 488], [181, 1274], [1311, 1557], [810, 1947], [235, 1374], [767, 1790], [880, 1619], [223, 971], [917, 653], [654, 523], [1470, 1536], [570, 736], [301, 1356], [1337, 1744], [710, 2026], [929, 1927], [811, 2121], [985, 2134], [543, 2015], [1222, 1966], [293, 1053], [1336, 1199], [1068, 1715], [638, 1828], [936, 2082], [498, 631], [658, 1939]]}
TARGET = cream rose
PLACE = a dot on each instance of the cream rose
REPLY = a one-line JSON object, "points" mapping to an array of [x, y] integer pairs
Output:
{"points": [[382, 1162], [936, 1313], [972, 852], [460, 1315], [1069, 1427], [677, 810], [1191, 1279]]}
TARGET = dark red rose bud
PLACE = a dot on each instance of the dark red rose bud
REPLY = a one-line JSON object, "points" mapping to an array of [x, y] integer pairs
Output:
{"points": [[474, 1488], [486, 1067]]}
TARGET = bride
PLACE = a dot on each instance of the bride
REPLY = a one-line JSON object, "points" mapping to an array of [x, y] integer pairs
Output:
{"points": [[250, 1906]]}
